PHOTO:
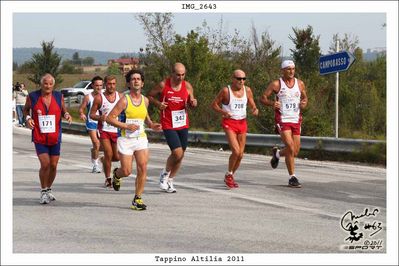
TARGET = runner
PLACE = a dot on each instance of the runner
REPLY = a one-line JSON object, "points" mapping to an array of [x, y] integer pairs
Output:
{"points": [[133, 143], [43, 111], [291, 99], [233, 100], [104, 103], [174, 95], [91, 125]]}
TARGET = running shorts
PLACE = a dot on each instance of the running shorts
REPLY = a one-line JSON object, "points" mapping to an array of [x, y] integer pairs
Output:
{"points": [[176, 138], [237, 126], [128, 146]]}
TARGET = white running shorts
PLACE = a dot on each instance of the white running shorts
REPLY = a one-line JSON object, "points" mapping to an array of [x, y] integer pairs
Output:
{"points": [[128, 146]]}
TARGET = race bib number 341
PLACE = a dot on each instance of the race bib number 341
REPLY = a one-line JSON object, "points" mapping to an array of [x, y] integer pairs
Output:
{"points": [[47, 123]]}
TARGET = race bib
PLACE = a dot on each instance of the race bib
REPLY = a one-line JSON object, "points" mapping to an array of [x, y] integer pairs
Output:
{"points": [[178, 118], [291, 106], [137, 132], [47, 123]]}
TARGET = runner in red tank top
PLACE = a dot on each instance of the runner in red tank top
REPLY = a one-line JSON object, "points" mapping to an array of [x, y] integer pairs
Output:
{"points": [[172, 97], [47, 108]]}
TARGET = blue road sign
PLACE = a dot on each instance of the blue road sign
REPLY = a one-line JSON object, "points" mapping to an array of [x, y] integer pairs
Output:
{"points": [[335, 62]]}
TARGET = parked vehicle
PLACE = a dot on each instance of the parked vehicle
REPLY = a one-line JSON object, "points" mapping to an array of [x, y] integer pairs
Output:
{"points": [[79, 90]]}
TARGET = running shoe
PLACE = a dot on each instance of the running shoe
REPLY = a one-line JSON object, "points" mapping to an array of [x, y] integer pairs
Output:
{"points": [[108, 183], [116, 182], [50, 194], [293, 182], [44, 198], [171, 188], [274, 160], [137, 204], [229, 180], [96, 169], [163, 180]]}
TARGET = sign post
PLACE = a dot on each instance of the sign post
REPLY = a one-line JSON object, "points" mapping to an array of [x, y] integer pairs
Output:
{"points": [[335, 63]]}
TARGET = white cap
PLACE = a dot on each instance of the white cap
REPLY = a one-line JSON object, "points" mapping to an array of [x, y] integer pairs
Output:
{"points": [[287, 63]]}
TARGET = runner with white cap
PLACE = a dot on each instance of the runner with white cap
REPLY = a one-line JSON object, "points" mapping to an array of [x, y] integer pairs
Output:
{"points": [[291, 98]]}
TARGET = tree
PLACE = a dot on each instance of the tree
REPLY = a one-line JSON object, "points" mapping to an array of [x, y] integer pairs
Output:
{"points": [[348, 43], [158, 28], [26, 68], [307, 51], [113, 69], [69, 68], [88, 61], [76, 60], [14, 66], [318, 118], [45, 62]]}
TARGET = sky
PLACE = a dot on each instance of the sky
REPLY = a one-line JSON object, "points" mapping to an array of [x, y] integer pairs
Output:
{"points": [[122, 32]]}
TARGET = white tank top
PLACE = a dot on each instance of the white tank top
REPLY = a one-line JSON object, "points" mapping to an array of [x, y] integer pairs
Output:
{"points": [[237, 107], [289, 99], [88, 107], [106, 108]]}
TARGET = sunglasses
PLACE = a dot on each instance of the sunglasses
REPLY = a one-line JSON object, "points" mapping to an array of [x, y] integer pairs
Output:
{"points": [[238, 78]]}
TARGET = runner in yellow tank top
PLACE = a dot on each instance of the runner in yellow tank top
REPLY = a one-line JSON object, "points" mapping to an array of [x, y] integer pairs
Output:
{"points": [[133, 141], [135, 114]]}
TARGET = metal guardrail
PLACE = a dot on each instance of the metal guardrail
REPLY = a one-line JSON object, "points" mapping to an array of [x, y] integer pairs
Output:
{"points": [[259, 140]]}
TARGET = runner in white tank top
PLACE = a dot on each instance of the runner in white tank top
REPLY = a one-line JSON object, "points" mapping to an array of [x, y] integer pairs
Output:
{"points": [[234, 100], [105, 102], [105, 109], [237, 106], [291, 99]]}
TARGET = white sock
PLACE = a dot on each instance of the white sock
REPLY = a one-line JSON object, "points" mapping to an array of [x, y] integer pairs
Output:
{"points": [[292, 175], [95, 161], [229, 173], [166, 172], [278, 154]]}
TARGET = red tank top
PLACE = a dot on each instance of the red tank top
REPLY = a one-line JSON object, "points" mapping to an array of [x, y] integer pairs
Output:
{"points": [[175, 116], [47, 128]]}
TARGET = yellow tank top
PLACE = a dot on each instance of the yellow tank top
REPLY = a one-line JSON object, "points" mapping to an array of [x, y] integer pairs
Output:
{"points": [[135, 114]]}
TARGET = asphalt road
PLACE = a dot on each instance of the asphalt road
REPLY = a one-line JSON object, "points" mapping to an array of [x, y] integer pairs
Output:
{"points": [[263, 215]]}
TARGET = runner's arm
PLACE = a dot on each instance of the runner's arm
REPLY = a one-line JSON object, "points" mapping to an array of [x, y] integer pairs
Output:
{"points": [[153, 95], [82, 108], [96, 103], [222, 95], [273, 87], [191, 99], [112, 117], [64, 111]]}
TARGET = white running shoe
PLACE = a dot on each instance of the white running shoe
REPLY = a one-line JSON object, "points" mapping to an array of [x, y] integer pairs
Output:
{"points": [[44, 198], [50, 195], [171, 188], [96, 169], [163, 181]]}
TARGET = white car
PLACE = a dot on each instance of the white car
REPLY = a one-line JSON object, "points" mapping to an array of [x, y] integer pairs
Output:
{"points": [[79, 90]]}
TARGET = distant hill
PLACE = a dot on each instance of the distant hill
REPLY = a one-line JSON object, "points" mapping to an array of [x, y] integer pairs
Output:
{"points": [[21, 55]]}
